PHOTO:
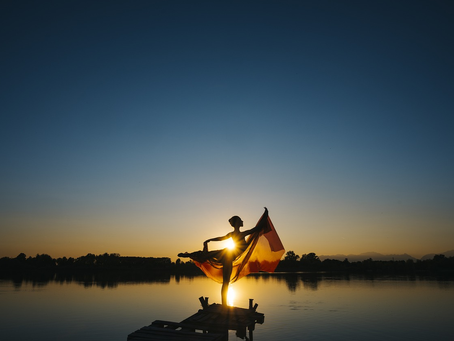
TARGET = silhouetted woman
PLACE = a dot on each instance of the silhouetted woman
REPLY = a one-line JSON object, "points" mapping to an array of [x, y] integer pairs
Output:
{"points": [[228, 255]]}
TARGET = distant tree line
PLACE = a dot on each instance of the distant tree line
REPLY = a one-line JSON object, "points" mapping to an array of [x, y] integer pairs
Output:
{"points": [[92, 263], [144, 267], [311, 263]]}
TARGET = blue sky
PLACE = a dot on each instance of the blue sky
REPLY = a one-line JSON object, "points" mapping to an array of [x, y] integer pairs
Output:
{"points": [[140, 127]]}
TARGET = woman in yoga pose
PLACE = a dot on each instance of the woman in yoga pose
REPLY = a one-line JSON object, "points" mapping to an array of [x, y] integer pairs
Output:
{"points": [[226, 256]]}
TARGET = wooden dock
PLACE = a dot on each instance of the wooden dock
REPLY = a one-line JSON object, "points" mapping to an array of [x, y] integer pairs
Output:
{"points": [[211, 323]]}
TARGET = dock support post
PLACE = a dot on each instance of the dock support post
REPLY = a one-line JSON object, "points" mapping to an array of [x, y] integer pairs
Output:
{"points": [[253, 308], [203, 301]]}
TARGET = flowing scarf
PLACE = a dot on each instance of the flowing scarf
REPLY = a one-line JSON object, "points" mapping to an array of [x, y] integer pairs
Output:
{"points": [[263, 253]]}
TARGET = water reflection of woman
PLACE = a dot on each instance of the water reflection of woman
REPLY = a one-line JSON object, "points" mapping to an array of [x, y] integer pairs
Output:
{"points": [[228, 255]]}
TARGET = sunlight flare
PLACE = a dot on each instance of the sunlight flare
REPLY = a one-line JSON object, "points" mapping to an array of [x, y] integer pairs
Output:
{"points": [[231, 297], [230, 244]]}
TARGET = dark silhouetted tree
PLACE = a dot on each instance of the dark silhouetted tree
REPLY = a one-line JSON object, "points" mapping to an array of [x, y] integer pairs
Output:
{"points": [[310, 261], [290, 256], [21, 257]]}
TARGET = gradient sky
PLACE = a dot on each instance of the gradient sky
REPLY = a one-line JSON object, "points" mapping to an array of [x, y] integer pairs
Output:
{"points": [[141, 127]]}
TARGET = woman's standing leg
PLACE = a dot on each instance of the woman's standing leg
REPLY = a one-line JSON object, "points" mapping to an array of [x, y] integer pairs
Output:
{"points": [[226, 273]]}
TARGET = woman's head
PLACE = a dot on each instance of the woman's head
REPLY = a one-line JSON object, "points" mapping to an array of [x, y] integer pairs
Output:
{"points": [[236, 221]]}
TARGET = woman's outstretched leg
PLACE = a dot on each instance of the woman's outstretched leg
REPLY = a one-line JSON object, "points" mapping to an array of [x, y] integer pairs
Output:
{"points": [[197, 255]]}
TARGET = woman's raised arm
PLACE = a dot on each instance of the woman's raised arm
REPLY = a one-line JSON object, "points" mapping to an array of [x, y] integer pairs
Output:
{"points": [[257, 228], [217, 239]]}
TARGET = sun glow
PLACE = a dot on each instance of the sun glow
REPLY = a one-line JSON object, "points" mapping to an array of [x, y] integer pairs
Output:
{"points": [[231, 297], [230, 244]]}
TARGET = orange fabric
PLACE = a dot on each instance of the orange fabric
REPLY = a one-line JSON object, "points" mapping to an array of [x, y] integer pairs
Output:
{"points": [[263, 253]]}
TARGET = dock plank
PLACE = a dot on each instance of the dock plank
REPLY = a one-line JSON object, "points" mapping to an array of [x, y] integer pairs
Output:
{"points": [[218, 317]]}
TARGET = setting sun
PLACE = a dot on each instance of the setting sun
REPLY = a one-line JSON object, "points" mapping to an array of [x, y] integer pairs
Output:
{"points": [[230, 244]]}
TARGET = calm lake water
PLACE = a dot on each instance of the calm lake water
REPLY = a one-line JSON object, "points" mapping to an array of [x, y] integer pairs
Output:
{"points": [[296, 307]]}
